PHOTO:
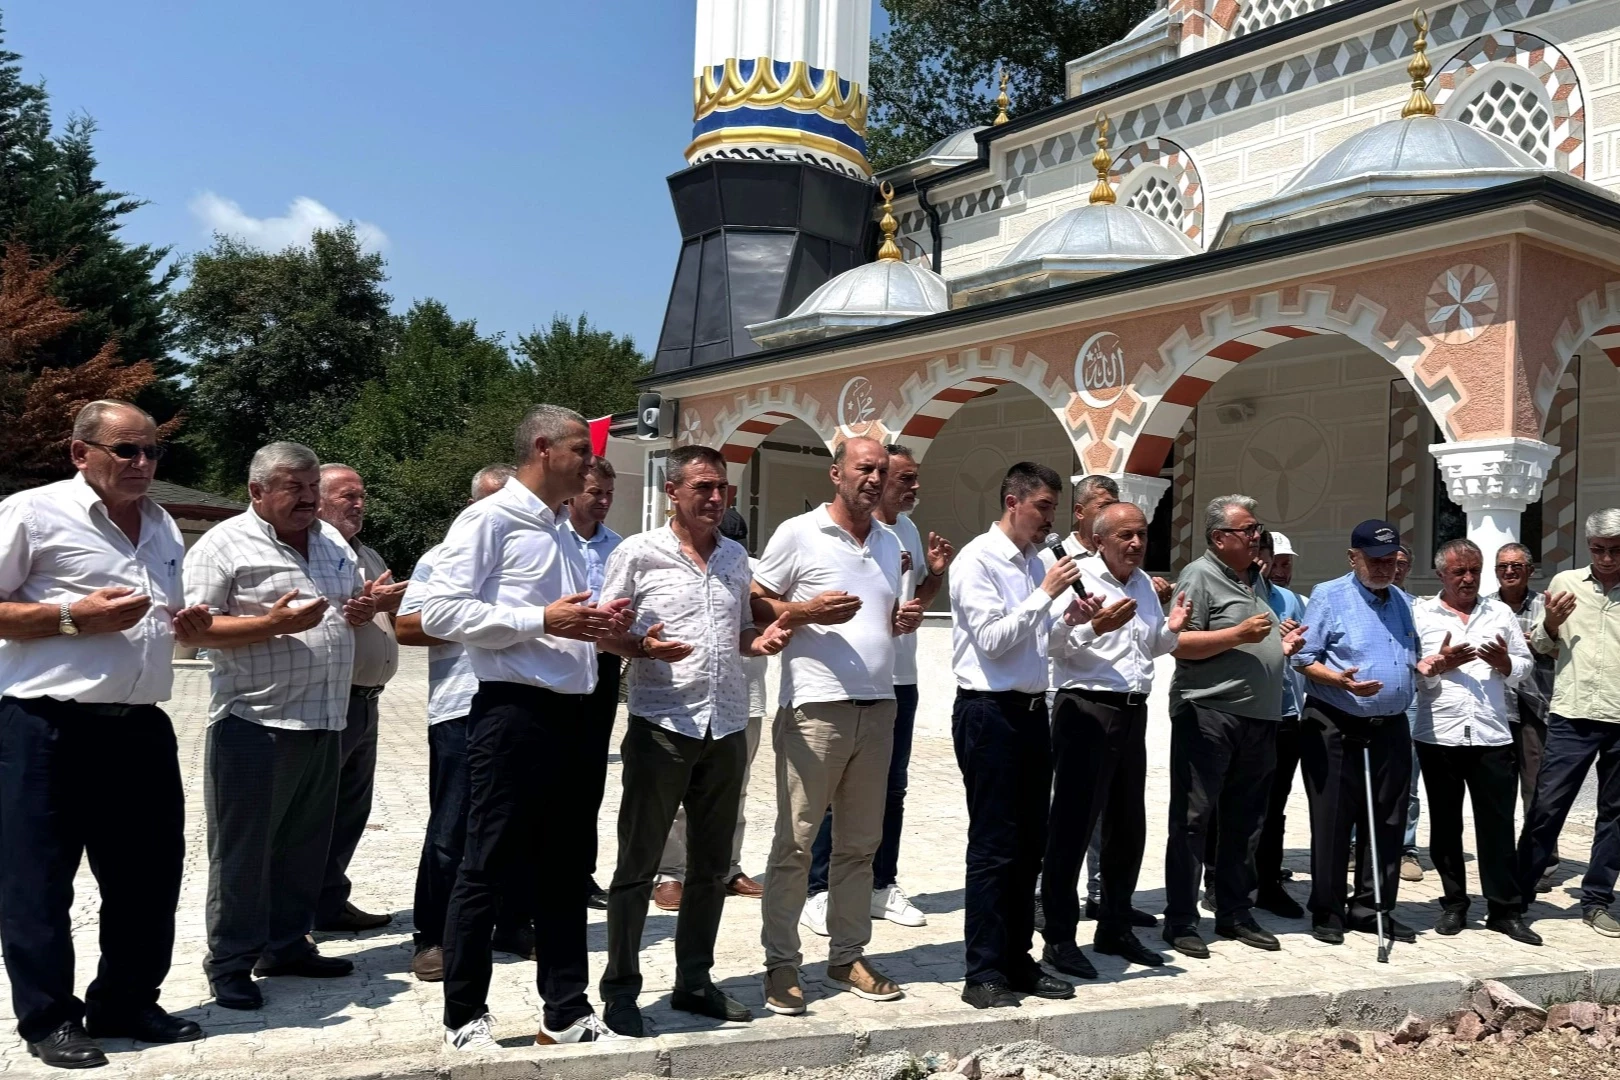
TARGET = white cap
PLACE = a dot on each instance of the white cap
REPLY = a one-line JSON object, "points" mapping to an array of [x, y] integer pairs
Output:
{"points": [[1280, 544]]}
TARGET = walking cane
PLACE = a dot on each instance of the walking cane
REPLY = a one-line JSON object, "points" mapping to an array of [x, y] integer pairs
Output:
{"points": [[1377, 867]]}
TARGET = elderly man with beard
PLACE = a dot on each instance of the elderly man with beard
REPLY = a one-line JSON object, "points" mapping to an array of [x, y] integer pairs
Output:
{"points": [[832, 574]]}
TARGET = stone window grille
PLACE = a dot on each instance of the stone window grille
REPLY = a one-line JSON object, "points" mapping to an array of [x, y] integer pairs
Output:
{"points": [[1514, 107], [1157, 197]]}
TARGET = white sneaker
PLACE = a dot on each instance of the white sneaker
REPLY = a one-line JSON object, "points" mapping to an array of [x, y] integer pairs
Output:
{"points": [[473, 1037], [893, 904], [585, 1029], [814, 916]]}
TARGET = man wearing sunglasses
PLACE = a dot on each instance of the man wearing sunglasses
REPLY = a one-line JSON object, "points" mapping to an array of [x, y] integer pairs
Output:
{"points": [[90, 610]]}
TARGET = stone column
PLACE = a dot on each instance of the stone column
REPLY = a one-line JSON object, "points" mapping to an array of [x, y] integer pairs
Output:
{"points": [[1493, 480], [1144, 492]]}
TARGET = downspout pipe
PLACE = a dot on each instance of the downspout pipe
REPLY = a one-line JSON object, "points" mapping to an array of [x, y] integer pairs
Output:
{"points": [[932, 210]]}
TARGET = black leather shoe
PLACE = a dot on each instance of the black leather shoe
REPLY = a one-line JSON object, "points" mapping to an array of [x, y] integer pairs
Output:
{"points": [[1275, 899], [1139, 918], [1514, 927], [68, 1047], [1393, 928], [236, 991], [311, 965], [352, 920], [518, 943], [712, 1002], [1186, 941], [989, 995], [1250, 933], [148, 1025], [1040, 924], [1127, 946], [1328, 929], [1451, 923], [1038, 983], [623, 1015], [595, 896], [1067, 958]]}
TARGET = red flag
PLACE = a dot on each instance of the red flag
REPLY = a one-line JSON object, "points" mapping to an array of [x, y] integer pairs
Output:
{"points": [[599, 435]]}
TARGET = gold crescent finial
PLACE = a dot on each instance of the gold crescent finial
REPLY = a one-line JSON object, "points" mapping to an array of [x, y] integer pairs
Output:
{"points": [[890, 250], [1419, 104], [1102, 161], [1002, 101]]}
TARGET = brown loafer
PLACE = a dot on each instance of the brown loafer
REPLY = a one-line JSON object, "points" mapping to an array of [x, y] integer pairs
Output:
{"points": [[743, 885], [667, 896], [428, 964]]}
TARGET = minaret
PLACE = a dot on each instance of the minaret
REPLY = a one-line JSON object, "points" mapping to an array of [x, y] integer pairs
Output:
{"points": [[777, 196]]}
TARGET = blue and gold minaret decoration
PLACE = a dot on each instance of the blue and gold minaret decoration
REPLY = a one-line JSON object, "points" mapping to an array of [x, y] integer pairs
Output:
{"points": [[782, 80]]}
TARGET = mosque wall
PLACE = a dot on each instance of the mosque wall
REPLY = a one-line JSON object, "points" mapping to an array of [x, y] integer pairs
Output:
{"points": [[1599, 485]]}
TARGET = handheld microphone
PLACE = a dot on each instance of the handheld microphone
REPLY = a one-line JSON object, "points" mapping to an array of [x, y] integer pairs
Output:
{"points": [[1054, 544]]}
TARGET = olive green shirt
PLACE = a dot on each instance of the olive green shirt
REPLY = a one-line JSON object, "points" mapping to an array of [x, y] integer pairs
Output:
{"points": [[1246, 680], [1586, 678]]}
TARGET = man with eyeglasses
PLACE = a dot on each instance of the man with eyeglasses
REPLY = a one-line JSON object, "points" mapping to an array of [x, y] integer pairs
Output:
{"points": [[90, 609], [1582, 623], [1527, 702]]}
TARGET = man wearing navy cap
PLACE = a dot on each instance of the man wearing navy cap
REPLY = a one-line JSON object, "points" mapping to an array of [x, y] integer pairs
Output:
{"points": [[1358, 660]]}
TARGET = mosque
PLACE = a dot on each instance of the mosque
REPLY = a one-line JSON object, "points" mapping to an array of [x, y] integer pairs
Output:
{"points": [[1349, 259]]}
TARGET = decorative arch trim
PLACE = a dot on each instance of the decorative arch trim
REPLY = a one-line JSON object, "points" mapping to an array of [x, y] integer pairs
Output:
{"points": [[1176, 161], [1598, 321], [739, 429], [1547, 65], [933, 395]]}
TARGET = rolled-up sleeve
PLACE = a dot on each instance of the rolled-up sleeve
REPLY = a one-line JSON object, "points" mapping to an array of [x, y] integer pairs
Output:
{"points": [[452, 608]]}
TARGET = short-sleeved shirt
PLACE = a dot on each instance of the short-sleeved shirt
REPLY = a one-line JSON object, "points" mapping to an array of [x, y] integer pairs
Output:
{"points": [[905, 645], [299, 682], [809, 555], [1353, 627], [1246, 680], [451, 682], [376, 650]]}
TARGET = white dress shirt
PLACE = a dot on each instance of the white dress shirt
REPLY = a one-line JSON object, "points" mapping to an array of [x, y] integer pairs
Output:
{"points": [[705, 694], [299, 682], [1002, 616], [504, 559], [1120, 660], [1466, 706], [376, 649], [57, 545], [905, 645], [853, 661], [451, 682]]}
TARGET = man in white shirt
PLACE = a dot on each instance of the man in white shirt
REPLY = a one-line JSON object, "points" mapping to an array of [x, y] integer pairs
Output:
{"points": [[510, 585], [587, 527], [451, 686], [1473, 651], [686, 743], [1103, 669], [90, 610], [923, 573], [376, 659], [1001, 602], [835, 574], [287, 595]]}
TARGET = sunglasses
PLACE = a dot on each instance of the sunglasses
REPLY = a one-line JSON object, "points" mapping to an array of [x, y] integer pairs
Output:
{"points": [[1512, 568], [128, 451], [1250, 531]]}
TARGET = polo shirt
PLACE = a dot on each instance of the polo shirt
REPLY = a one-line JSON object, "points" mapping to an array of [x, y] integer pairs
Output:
{"points": [[1246, 680]]}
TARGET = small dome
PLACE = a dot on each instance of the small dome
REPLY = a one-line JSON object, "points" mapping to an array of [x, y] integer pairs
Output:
{"points": [[954, 149], [875, 294], [1159, 17]]}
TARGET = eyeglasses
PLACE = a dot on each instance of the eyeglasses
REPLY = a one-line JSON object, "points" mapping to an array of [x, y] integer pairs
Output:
{"points": [[128, 451], [1603, 551], [1512, 568], [1250, 531]]}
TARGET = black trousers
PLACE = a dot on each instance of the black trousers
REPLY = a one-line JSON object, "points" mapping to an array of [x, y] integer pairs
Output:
{"points": [[600, 709], [530, 764], [663, 770], [1004, 749], [1099, 770], [1330, 754], [1487, 773], [1220, 767], [1268, 857], [76, 782], [1573, 745], [357, 775]]}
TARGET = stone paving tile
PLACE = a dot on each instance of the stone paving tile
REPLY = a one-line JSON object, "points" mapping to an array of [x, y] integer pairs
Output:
{"points": [[384, 1013]]}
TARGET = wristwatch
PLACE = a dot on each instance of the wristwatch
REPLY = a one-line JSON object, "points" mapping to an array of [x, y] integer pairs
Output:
{"points": [[64, 622]]}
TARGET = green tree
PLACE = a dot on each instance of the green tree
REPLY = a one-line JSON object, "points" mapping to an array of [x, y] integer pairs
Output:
{"points": [[933, 72], [281, 341], [574, 364]]}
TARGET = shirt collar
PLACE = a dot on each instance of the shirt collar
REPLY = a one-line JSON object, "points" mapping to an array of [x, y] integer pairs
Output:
{"points": [[1002, 544], [1251, 579], [519, 494], [1370, 596], [602, 536], [80, 491]]}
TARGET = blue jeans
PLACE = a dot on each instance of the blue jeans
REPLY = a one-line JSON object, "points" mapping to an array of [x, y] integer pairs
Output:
{"points": [[886, 864], [1572, 746]]}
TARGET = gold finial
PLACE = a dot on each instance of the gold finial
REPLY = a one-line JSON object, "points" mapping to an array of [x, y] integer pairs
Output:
{"points": [[890, 250], [1002, 101], [1102, 161], [1419, 104]]}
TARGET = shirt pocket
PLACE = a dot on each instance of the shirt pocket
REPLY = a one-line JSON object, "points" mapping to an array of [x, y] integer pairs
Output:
{"points": [[259, 585]]}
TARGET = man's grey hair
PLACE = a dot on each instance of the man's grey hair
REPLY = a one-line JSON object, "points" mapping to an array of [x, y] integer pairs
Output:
{"points": [[1603, 523], [279, 456], [1461, 546], [1215, 514], [488, 475], [900, 450], [1110, 516], [87, 424], [549, 422], [1513, 547], [1087, 486], [330, 467]]}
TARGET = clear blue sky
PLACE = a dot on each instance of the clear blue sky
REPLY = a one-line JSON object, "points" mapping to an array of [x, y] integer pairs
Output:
{"points": [[512, 152]]}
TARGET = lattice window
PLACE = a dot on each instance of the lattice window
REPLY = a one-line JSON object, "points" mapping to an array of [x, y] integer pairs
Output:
{"points": [[1257, 14], [1158, 197], [1515, 109]]}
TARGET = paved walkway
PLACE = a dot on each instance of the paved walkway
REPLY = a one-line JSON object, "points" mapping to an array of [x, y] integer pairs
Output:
{"points": [[382, 1013]]}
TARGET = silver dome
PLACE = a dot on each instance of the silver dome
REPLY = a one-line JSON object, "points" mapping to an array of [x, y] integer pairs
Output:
{"points": [[875, 294], [1389, 165], [1088, 241], [954, 149]]}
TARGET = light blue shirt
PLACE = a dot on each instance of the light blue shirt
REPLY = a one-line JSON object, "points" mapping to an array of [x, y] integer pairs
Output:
{"points": [[1286, 604], [1351, 626], [595, 552]]}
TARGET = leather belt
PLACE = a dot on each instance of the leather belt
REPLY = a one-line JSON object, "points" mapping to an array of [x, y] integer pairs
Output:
{"points": [[1116, 698], [1016, 697], [366, 692]]}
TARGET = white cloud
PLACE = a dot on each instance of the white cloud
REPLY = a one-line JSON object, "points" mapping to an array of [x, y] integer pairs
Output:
{"points": [[221, 215]]}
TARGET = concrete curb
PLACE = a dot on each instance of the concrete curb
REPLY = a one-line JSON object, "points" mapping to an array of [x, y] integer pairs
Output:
{"points": [[1103, 1031]]}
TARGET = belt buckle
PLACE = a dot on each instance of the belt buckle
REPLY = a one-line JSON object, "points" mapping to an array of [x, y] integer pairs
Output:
{"points": [[1036, 701]]}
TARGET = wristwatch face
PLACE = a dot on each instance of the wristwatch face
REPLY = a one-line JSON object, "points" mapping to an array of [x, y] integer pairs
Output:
{"points": [[65, 624]]}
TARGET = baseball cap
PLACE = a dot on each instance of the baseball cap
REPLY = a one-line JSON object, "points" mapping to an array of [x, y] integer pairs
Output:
{"points": [[1375, 538], [1280, 544]]}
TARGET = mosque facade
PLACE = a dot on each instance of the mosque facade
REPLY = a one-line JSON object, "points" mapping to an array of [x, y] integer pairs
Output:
{"points": [[1349, 259]]}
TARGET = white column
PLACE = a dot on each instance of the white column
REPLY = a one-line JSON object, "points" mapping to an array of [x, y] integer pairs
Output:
{"points": [[1493, 480], [1143, 492]]}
